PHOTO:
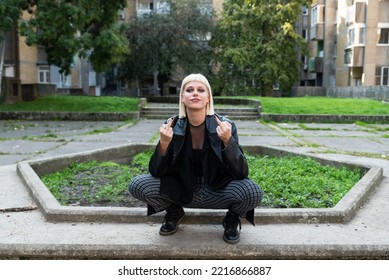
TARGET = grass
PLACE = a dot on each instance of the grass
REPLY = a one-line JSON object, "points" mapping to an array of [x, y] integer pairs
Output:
{"points": [[322, 105], [289, 182], [59, 103], [299, 182], [94, 183], [300, 105]]}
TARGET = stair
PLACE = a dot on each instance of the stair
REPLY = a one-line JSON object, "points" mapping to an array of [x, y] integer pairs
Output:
{"points": [[164, 110]]}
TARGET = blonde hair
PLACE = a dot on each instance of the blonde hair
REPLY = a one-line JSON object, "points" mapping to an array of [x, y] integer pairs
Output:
{"points": [[199, 78]]}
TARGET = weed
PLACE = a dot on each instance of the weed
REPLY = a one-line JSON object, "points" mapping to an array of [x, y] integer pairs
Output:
{"points": [[295, 182], [100, 131], [288, 182]]}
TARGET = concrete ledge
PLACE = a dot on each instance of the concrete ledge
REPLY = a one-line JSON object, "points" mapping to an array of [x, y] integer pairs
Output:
{"points": [[219, 100], [188, 251], [69, 116], [77, 116], [29, 172], [325, 118]]}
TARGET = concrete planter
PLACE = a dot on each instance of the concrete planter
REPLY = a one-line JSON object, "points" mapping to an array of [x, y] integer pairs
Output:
{"points": [[29, 172]]}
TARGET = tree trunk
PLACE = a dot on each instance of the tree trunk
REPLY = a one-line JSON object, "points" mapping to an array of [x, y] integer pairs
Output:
{"points": [[155, 84], [138, 89], [2, 63]]}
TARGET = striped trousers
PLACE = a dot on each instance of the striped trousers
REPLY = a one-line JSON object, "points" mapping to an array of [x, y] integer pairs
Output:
{"points": [[238, 196]]}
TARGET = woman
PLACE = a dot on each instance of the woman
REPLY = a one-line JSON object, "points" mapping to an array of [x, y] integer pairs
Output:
{"points": [[198, 163]]}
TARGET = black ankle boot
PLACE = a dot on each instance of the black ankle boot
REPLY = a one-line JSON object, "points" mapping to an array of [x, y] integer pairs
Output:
{"points": [[230, 223], [174, 215]]}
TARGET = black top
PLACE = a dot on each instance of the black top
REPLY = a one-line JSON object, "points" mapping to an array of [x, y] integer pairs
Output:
{"points": [[198, 167], [197, 134]]}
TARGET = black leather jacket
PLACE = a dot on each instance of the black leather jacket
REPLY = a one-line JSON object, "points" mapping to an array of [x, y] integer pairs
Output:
{"points": [[220, 164]]}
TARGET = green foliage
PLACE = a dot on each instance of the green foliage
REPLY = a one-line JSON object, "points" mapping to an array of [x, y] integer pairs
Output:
{"points": [[56, 103], [10, 12], [69, 28], [297, 182], [322, 105], [293, 182], [255, 45], [95, 183], [110, 48], [178, 35]]}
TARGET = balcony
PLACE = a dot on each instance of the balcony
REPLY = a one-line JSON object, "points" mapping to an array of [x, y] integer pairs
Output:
{"points": [[143, 12], [317, 32], [354, 56], [315, 65]]}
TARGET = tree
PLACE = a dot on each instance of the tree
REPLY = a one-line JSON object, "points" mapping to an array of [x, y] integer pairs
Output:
{"points": [[9, 15], [70, 27], [10, 11], [255, 45], [175, 38]]}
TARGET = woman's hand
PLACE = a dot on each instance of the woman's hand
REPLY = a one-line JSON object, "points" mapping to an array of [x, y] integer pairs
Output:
{"points": [[223, 131], [165, 136]]}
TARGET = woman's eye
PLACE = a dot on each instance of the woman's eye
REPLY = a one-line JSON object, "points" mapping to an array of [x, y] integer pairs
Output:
{"points": [[192, 89]]}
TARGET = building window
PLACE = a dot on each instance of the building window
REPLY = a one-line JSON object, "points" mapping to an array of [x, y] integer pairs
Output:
{"points": [[304, 60], [384, 76], [314, 16], [43, 74], [347, 57], [317, 15], [320, 48], [384, 36], [121, 15], [356, 36], [206, 8], [304, 10], [351, 37], [64, 81], [304, 34], [92, 78]]}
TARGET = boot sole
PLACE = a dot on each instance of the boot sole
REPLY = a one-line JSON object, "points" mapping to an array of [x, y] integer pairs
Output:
{"points": [[231, 241], [163, 233]]}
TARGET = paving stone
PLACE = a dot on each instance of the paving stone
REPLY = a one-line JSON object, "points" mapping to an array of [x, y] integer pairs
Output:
{"points": [[27, 234]]}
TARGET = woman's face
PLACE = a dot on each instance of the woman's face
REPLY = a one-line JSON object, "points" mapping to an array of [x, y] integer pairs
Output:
{"points": [[195, 95]]}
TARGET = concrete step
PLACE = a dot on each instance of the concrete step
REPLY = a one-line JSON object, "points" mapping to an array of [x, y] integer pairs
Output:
{"points": [[163, 111], [242, 111], [166, 116]]}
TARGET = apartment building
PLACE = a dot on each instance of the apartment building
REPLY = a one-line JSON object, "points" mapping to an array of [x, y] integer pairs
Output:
{"points": [[27, 73], [141, 8], [348, 43]]}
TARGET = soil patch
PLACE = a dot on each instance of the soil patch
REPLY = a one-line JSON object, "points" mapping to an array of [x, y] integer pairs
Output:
{"points": [[97, 186]]}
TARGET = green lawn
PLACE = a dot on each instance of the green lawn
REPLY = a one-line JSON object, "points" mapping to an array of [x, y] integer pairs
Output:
{"points": [[58, 103], [298, 105], [323, 105]]}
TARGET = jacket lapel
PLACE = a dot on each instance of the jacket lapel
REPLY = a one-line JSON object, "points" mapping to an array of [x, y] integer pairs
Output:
{"points": [[213, 138], [179, 136]]}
